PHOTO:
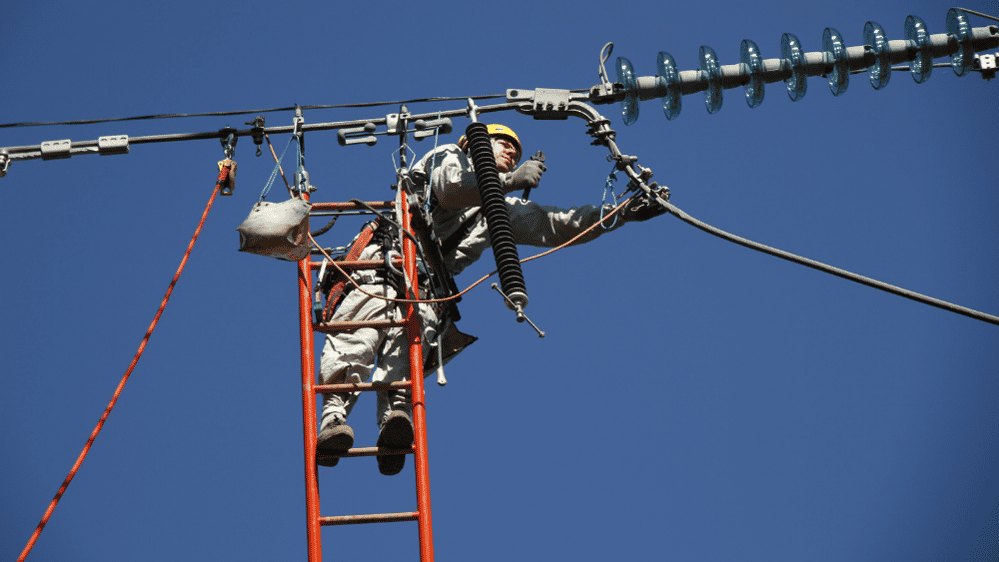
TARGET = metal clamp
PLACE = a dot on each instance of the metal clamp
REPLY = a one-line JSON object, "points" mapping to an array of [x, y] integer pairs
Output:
{"points": [[473, 111], [115, 144], [4, 163], [986, 64], [298, 122], [228, 138], [257, 132], [53, 150]]}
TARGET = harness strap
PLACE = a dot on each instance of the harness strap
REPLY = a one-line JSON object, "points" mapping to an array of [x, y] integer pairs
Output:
{"points": [[338, 291]]}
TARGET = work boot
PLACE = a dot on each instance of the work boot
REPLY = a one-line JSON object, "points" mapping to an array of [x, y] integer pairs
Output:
{"points": [[334, 439], [396, 433]]}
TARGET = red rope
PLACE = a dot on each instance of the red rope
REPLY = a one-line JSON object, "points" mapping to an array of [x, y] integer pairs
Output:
{"points": [[93, 435]]}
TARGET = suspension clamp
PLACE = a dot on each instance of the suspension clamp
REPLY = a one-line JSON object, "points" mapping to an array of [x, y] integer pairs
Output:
{"points": [[298, 122], [257, 132], [4, 163]]}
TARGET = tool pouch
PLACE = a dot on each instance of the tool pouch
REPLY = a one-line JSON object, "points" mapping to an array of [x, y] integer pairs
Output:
{"points": [[454, 342], [277, 230]]}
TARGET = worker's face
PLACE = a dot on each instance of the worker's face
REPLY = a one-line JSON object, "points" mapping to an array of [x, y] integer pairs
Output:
{"points": [[506, 154]]}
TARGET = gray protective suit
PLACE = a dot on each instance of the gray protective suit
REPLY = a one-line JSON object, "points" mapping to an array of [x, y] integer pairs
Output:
{"points": [[350, 357]]}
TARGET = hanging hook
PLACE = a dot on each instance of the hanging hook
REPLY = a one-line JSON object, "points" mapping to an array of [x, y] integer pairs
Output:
{"points": [[257, 132], [227, 166]]}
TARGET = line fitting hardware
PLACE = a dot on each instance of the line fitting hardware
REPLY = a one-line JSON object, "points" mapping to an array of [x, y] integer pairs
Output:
{"points": [[521, 317], [368, 133], [257, 132], [227, 178]]}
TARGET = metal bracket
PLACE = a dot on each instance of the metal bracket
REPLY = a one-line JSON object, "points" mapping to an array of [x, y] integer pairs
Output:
{"points": [[366, 134], [424, 129], [357, 135], [392, 122], [546, 103], [986, 63], [4, 163]]}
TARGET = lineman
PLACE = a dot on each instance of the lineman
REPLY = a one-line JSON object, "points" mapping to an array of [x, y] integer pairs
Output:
{"points": [[462, 230]]}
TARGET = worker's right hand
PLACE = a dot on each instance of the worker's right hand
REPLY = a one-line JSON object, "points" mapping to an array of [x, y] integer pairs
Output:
{"points": [[528, 175]]}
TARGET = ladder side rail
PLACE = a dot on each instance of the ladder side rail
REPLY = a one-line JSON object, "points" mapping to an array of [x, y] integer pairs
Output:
{"points": [[418, 392], [309, 421]]}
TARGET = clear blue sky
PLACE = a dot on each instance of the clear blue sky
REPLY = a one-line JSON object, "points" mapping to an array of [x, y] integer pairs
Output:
{"points": [[693, 400]]}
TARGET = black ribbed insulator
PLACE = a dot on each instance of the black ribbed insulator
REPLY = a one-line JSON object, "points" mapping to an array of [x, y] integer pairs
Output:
{"points": [[480, 150]]}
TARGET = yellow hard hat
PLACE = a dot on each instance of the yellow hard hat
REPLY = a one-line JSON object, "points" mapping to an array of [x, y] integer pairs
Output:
{"points": [[501, 131]]}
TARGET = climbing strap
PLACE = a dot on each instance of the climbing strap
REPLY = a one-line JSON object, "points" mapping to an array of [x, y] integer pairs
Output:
{"points": [[340, 287]]}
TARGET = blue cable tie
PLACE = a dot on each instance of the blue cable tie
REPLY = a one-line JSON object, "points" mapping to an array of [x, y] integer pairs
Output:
{"points": [[277, 168], [608, 187]]}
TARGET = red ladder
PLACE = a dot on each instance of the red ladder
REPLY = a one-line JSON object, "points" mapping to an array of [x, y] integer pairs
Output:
{"points": [[310, 389]]}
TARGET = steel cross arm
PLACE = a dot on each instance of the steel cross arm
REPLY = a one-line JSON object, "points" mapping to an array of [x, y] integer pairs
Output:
{"points": [[119, 144]]}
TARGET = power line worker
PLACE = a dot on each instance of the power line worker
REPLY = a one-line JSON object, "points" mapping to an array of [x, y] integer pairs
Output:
{"points": [[457, 222]]}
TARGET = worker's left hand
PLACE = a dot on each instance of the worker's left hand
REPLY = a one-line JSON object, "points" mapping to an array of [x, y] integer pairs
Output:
{"points": [[528, 175]]}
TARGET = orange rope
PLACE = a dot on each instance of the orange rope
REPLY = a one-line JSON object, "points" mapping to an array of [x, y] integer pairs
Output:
{"points": [[473, 285], [93, 435]]}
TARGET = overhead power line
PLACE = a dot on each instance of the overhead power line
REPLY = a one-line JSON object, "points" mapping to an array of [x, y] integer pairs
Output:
{"points": [[247, 112]]}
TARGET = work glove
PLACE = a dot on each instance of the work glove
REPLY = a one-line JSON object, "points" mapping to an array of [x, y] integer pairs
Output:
{"points": [[528, 175], [642, 208]]}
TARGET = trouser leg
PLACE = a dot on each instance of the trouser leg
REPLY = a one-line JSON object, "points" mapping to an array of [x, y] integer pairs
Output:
{"points": [[349, 356], [393, 364]]}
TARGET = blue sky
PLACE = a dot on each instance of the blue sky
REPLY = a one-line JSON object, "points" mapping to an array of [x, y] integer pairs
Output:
{"points": [[693, 400]]}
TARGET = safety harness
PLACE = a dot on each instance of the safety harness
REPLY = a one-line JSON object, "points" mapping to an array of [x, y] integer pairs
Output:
{"points": [[332, 283]]}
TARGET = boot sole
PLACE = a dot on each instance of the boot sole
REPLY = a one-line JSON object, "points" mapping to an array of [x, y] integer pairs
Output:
{"points": [[339, 443], [396, 434]]}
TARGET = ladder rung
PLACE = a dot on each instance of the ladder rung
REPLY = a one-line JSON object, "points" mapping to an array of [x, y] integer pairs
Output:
{"points": [[368, 452], [361, 386], [373, 518], [327, 327], [330, 206], [359, 264]]}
